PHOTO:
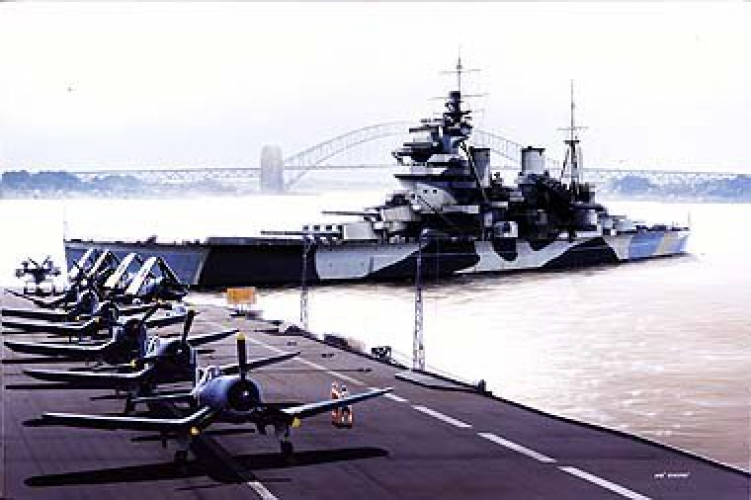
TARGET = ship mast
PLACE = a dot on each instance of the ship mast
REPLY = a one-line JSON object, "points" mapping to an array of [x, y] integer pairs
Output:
{"points": [[573, 159], [459, 70]]}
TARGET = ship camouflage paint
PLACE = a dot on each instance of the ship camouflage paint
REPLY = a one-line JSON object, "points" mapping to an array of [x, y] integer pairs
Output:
{"points": [[382, 262], [450, 212]]}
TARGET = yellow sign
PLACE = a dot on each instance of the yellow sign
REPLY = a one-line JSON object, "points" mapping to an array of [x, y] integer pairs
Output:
{"points": [[241, 296]]}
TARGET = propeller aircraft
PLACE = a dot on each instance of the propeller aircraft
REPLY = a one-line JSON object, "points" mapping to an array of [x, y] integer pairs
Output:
{"points": [[149, 360], [38, 273], [106, 317], [219, 395]]}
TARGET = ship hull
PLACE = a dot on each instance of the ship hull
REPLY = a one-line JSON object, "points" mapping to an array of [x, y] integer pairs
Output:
{"points": [[263, 261]]}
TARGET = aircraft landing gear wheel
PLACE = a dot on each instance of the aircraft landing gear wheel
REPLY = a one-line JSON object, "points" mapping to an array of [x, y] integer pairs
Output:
{"points": [[287, 450]]}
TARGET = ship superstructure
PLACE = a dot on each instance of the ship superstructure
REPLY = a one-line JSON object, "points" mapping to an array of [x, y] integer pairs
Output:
{"points": [[449, 192], [450, 209]]}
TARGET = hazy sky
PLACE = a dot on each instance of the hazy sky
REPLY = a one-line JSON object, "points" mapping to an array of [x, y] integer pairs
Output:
{"points": [[84, 86]]}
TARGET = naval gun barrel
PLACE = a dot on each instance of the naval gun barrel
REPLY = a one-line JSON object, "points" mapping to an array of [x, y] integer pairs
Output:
{"points": [[353, 213], [301, 234]]}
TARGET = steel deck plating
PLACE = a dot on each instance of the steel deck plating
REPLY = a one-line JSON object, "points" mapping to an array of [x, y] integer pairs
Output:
{"points": [[416, 443]]}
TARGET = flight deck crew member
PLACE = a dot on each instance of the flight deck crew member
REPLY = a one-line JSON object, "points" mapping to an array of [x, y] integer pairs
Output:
{"points": [[335, 413], [345, 416]]}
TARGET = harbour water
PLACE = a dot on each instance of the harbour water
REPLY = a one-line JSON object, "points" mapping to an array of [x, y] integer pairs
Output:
{"points": [[660, 348]]}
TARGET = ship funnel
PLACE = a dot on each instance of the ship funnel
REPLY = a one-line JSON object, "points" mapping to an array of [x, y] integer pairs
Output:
{"points": [[533, 161]]}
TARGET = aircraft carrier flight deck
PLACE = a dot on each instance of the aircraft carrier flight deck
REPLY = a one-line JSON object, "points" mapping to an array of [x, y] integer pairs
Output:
{"points": [[429, 440]]}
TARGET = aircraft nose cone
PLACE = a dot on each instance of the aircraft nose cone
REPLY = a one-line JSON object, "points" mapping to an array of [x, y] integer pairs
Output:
{"points": [[243, 396]]}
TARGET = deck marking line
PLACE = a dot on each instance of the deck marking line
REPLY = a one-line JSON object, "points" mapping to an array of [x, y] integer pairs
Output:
{"points": [[333, 373], [312, 364], [516, 447], [442, 417], [304, 361], [349, 379], [392, 396], [267, 346], [615, 488], [262, 491]]}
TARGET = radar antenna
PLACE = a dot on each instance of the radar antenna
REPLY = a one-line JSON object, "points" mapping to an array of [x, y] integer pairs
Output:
{"points": [[459, 70]]}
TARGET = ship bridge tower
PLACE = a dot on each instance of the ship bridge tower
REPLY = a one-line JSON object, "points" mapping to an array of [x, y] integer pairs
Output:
{"points": [[456, 121], [442, 136]]}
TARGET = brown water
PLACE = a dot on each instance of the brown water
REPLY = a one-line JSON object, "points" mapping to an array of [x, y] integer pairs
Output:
{"points": [[661, 348]]}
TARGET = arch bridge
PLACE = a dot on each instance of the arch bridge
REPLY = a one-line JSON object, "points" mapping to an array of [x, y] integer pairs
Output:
{"points": [[294, 168]]}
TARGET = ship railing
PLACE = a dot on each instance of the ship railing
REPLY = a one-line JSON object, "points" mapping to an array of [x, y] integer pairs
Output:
{"points": [[405, 360], [386, 354]]}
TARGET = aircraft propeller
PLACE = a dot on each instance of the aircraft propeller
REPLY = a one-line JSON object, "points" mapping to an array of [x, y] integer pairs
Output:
{"points": [[182, 348], [242, 356]]}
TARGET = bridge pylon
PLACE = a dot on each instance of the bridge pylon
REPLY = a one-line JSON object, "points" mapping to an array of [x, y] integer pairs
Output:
{"points": [[272, 169]]}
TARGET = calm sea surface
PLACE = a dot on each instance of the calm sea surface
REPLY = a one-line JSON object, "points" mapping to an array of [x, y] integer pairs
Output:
{"points": [[661, 349]]}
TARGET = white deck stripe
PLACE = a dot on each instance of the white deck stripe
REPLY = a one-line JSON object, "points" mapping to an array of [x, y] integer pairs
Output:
{"points": [[516, 447], [267, 346], [392, 396], [333, 373], [262, 491], [615, 488], [312, 364], [351, 380], [442, 417], [304, 361]]}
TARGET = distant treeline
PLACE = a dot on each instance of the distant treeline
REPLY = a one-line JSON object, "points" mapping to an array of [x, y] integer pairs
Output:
{"points": [[58, 183], [23, 183], [64, 181], [735, 188]]}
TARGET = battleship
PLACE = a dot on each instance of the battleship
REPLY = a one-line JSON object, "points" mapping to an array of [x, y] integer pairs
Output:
{"points": [[451, 213]]}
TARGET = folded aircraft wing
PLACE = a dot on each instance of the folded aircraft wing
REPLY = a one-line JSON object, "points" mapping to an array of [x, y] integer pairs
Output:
{"points": [[141, 276], [259, 362], [106, 260], [114, 280], [79, 267], [72, 351], [311, 409], [198, 419], [162, 321], [89, 379], [167, 271], [53, 328], [207, 338]]}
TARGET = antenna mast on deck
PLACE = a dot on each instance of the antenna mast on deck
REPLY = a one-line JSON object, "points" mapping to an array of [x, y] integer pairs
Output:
{"points": [[573, 161], [307, 243], [459, 70], [418, 346]]}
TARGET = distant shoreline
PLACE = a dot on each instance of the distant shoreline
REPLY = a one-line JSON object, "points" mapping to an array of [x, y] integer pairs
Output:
{"points": [[177, 194]]}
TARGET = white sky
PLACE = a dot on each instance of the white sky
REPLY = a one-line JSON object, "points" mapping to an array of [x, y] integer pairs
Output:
{"points": [[84, 86]]}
